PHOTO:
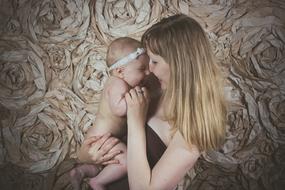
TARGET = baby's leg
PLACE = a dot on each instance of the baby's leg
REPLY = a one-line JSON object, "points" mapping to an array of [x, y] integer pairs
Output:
{"points": [[111, 172], [80, 172]]}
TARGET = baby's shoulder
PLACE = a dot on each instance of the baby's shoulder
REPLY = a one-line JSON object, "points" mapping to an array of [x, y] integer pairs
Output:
{"points": [[117, 84]]}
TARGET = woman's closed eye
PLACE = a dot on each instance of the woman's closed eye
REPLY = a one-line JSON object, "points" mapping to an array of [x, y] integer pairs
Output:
{"points": [[153, 62]]}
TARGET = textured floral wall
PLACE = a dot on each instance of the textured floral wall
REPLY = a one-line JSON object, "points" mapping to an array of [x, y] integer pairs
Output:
{"points": [[52, 71]]}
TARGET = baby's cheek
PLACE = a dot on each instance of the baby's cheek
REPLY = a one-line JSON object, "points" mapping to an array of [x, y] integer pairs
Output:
{"points": [[142, 76]]}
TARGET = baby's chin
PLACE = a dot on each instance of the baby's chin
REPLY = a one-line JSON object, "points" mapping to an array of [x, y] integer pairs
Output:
{"points": [[134, 85], [141, 83]]}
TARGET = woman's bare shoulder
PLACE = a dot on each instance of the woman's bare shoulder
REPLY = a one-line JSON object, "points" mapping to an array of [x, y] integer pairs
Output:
{"points": [[179, 142]]}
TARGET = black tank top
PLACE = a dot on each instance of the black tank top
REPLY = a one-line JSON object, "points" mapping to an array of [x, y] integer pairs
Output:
{"points": [[154, 147]]}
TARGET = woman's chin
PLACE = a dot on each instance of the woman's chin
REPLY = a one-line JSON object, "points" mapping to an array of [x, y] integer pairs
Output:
{"points": [[162, 86]]}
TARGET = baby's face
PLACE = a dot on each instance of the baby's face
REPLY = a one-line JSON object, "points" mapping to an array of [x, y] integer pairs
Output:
{"points": [[136, 70]]}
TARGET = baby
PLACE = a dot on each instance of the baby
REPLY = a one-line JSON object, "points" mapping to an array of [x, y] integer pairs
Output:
{"points": [[128, 66]]}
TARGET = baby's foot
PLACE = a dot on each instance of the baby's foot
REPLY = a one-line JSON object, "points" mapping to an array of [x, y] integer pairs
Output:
{"points": [[75, 178], [95, 186]]}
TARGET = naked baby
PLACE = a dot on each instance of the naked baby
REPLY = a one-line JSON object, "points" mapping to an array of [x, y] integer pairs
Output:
{"points": [[128, 66]]}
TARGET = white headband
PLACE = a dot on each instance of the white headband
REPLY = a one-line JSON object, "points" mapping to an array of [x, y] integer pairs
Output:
{"points": [[125, 60]]}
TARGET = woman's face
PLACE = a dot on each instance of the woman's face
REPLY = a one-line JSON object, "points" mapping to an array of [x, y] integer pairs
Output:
{"points": [[159, 68]]}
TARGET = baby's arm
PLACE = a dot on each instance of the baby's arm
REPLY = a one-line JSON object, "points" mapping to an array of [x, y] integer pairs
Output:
{"points": [[116, 97]]}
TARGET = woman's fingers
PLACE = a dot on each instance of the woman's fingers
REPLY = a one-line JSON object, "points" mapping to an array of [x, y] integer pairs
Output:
{"points": [[101, 141], [96, 146], [108, 145], [110, 156], [128, 98], [139, 91], [91, 140], [137, 95], [133, 94], [110, 162], [145, 93]]}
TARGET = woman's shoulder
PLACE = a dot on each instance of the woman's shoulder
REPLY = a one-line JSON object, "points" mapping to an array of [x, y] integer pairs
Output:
{"points": [[178, 141]]}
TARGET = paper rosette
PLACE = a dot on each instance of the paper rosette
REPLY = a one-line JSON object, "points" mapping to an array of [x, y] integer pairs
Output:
{"points": [[210, 14], [62, 178], [259, 39], [24, 74], [72, 110], [37, 141], [256, 165], [14, 177], [177, 6], [9, 24], [215, 178], [61, 65], [113, 19], [55, 21], [91, 73], [272, 115]]}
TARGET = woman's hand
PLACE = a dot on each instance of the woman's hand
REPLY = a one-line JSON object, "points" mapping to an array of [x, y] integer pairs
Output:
{"points": [[96, 149], [137, 105]]}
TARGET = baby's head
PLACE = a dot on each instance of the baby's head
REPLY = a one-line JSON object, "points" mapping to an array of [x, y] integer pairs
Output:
{"points": [[132, 70]]}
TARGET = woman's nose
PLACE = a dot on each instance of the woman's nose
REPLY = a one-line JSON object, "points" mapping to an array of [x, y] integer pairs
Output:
{"points": [[147, 72], [150, 66]]}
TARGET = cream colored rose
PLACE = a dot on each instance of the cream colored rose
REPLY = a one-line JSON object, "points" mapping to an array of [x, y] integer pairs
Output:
{"points": [[212, 177], [211, 15], [39, 140], [23, 72], [259, 39], [272, 115], [61, 66], [14, 177], [56, 21], [91, 73], [115, 19], [72, 110], [59, 57], [256, 165]]}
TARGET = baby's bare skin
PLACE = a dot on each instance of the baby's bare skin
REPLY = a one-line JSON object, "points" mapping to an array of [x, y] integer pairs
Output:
{"points": [[111, 116]]}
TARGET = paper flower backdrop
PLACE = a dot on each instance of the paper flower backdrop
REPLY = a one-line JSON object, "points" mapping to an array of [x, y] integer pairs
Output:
{"points": [[53, 70]]}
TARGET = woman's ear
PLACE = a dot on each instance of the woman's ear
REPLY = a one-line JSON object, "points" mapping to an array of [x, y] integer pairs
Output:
{"points": [[120, 71]]}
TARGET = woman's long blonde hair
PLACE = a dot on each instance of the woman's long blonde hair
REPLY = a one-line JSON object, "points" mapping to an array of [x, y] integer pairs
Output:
{"points": [[195, 101]]}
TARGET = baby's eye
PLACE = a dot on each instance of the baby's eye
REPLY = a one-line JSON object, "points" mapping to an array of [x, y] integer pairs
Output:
{"points": [[153, 62]]}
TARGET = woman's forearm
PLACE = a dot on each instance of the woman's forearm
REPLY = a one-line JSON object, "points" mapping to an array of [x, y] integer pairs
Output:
{"points": [[139, 172]]}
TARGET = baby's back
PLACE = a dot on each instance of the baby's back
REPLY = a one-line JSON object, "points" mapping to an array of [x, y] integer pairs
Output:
{"points": [[111, 115]]}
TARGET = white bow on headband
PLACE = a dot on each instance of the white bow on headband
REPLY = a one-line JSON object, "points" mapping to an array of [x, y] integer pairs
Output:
{"points": [[125, 60]]}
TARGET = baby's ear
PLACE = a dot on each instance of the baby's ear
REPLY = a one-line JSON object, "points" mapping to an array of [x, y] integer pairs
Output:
{"points": [[120, 71]]}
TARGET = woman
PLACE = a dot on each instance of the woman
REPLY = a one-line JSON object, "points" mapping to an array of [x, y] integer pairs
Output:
{"points": [[191, 116]]}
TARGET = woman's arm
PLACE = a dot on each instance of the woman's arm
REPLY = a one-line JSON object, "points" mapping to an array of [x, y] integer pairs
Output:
{"points": [[96, 149], [173, 165]]}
